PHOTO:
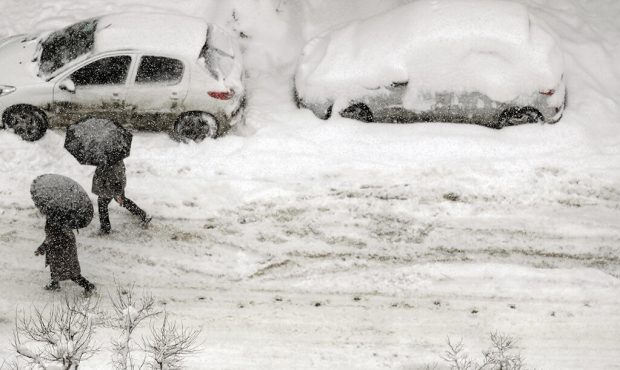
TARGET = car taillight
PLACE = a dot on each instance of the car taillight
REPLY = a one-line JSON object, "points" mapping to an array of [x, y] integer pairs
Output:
{"points": [[221, 95], [547, 92]]}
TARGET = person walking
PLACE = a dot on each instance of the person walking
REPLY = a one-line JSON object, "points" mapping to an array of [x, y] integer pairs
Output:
{"points": [[60, 252], [109, 183]]}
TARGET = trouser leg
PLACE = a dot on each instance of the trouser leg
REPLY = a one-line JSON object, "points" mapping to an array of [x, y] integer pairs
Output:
{"points": [[132, 207], [104, 216], [81, 281]]}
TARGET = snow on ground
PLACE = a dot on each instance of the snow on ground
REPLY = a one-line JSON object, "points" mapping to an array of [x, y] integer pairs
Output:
{"points": [[300, 243]]}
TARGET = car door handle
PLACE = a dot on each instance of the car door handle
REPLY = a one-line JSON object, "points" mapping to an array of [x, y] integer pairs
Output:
{"points": [[116, 96], [174, 95]]}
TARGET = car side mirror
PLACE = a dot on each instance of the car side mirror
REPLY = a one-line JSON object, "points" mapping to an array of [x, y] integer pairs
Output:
{"points": [[67, 85]]}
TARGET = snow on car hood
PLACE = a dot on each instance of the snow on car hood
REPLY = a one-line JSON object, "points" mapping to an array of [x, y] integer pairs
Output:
{"points": [[493, 47], [16, 66]]}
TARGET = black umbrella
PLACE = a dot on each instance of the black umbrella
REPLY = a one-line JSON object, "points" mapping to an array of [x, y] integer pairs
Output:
{"points": [[62, 199], [98, 141]]}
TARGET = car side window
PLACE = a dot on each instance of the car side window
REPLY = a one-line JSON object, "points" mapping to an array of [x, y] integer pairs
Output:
{"points": [[105, 71], [159, 70]]}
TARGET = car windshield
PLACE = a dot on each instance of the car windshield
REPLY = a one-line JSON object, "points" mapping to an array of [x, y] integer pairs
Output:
{"points": [[66, 45]]}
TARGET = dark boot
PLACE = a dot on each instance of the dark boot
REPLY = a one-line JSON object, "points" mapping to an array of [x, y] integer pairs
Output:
{"points": [[53, 286], [104, 216], [87, 285], [145, 222]]}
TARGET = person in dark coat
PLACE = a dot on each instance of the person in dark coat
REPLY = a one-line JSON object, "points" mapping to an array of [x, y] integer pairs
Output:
{"points": [[60, 252], [109, 183]]}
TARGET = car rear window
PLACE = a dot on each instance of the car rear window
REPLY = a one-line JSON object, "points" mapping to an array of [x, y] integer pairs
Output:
{"points": [[217, 54], [159, 70], [221, 40]]}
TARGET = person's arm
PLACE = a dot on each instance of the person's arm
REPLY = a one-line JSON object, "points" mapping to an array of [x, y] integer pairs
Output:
{"points": [[42, 249]]}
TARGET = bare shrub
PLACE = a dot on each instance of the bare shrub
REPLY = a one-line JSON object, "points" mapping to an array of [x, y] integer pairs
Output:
{"points": [[499, 356], [59, 336], [169, 343], [456, 356], [128, 312]]}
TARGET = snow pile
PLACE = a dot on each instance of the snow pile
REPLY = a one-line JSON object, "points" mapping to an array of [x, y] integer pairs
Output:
{"points": [[492, 47]]}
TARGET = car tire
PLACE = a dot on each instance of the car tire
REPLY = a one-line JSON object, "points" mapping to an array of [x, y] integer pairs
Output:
{"points": [[518, 116], [328, 113], [359, 112], [27, 122], [195, 126]]}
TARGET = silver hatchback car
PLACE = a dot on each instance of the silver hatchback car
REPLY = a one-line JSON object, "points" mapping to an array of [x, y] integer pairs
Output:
{"points": [[486, 62], [146, 71]]}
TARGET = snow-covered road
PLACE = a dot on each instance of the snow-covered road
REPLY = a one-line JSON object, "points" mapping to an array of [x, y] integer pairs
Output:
{"points": [[299, 243], [357, 278]]}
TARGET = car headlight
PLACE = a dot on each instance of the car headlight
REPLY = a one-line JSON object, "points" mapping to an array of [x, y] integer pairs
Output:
{"points": [[6, 90]]}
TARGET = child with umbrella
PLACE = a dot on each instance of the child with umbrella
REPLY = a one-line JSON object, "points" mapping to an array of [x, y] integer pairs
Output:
{"points": [[67, 206], [104, 143]]}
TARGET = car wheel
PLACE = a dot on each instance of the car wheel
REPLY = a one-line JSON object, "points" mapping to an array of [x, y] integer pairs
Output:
{"points": [[195, 126], [518, 116], [328, 112], [359, 111], [28, 123]]}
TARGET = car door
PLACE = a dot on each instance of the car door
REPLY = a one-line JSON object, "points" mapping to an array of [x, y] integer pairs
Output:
{"points": [[155, 98], [387, 106], [95, 89]]}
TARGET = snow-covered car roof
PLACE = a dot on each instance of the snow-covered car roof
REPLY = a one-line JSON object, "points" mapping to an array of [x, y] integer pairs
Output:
{"points": [[490, 46], [162, 33]]}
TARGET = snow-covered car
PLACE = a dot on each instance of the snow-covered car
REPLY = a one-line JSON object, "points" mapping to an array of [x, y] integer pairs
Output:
{"points": [[146, 71], [487, 62]]}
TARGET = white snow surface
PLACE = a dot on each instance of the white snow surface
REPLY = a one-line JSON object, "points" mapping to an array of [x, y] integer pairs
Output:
{"points": [[490, 46], [156, 32], [299, 243]]}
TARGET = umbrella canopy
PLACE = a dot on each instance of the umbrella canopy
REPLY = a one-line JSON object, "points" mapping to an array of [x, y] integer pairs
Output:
{"points": [[98, 141], [62, 199]]}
